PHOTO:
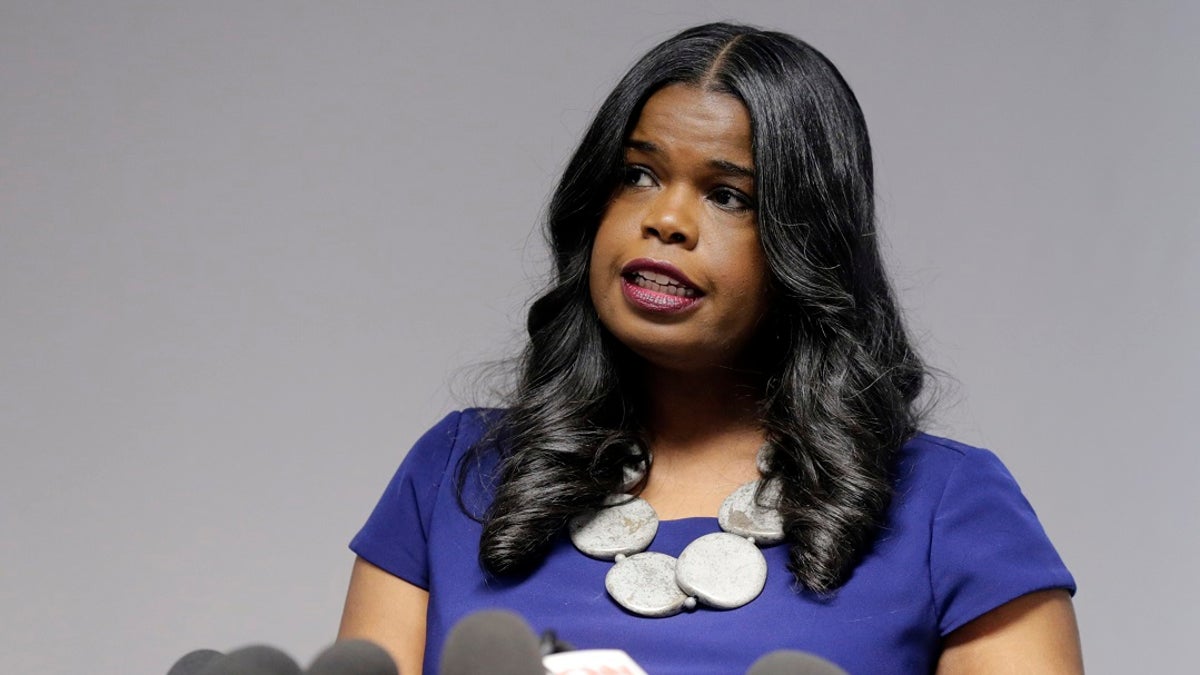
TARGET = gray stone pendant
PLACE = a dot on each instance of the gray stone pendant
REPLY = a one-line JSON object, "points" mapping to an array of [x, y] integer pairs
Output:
{"points": [[722, 570], [645, 584], [631, 476], [743, 516], [626, 525]]}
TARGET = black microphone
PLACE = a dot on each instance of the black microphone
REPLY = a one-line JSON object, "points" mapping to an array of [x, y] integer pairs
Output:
{"points": [[493, 642], [193, 662], [253, 660], [353, 657], [791, 662], [550, 643]]}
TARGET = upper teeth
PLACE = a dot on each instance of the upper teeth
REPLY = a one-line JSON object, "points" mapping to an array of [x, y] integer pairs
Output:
{"points": [[662, 283], [658, 278]]}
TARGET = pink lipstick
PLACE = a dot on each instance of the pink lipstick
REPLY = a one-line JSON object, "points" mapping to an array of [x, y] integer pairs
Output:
{"points": [[658, 286]]}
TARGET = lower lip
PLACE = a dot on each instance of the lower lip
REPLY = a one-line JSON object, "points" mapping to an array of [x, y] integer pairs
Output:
{"points": [[653, 301]]}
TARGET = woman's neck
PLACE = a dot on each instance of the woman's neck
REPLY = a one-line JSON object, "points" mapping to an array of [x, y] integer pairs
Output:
{"points": [[705, 432], [695, 412], [678, 401]]}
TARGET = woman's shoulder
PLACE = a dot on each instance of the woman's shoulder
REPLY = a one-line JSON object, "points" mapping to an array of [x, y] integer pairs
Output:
{"points": [[459, 430], [985, 544], [471, 420], [928, 447], [445, 444], [938, 472], [928, 457]]}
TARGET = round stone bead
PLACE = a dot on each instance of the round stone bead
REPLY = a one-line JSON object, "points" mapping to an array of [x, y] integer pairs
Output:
{"points": [[645, 584], [626, 525], [742, 515], [722, 570], [631, 476], [763, 459]]}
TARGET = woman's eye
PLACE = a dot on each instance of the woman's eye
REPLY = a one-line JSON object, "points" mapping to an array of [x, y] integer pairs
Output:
{"points": [[731, 200], [636, 176]]}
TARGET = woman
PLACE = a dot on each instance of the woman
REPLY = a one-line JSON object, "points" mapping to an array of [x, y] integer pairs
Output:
{"points": [[720, 314]]}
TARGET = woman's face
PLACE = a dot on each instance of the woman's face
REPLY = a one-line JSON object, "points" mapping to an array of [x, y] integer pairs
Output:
{"points": [[677, 272]]}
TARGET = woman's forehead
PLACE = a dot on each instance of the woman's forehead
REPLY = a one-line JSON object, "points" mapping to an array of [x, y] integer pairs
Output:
{"points": [[681, 118]]}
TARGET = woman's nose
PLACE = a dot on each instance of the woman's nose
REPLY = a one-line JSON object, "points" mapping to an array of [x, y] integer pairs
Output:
{"points": [[669, 220]]}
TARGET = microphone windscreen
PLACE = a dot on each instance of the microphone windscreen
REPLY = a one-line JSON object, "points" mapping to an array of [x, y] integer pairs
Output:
{"points": [[790, 662], [191, 663], [253, 660], [353, 657], [494, 642]]}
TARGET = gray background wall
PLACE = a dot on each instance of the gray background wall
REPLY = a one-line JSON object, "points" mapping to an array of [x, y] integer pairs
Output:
{"points": [[247, 247]]}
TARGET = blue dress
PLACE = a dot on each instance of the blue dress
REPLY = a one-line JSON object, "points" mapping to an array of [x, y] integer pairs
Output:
{"points": [[960, 540]]}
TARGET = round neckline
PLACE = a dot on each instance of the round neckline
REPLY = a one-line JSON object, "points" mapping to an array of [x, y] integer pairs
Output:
{"points": [[688, 519]]}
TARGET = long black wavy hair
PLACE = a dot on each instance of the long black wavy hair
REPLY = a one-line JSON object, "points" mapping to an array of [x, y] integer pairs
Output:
{"points": [[840, 376]]}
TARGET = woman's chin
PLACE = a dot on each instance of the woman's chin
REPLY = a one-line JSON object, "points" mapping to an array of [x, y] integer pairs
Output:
{"points": [[681, 357]]}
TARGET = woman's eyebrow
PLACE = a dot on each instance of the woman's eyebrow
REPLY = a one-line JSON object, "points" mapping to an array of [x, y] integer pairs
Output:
{"points": [[723, 165], [644, 146], [728, 167]]}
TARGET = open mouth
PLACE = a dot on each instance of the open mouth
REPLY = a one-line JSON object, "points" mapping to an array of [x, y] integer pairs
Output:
{"points": [[660, 283], [658, 287]]}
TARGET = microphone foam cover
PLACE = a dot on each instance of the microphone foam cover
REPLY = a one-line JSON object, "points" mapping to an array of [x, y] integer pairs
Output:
{"points": [[253, 660], [791, 662], [192, 662], [353, 657], [494, 642]]}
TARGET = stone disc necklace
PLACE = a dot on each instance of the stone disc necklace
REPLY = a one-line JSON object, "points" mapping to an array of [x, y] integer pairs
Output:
{"points": [[723, 570]]}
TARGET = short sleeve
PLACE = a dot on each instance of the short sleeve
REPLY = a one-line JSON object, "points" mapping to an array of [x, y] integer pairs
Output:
{"points": [[987, 545], [396, 535]]}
